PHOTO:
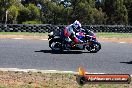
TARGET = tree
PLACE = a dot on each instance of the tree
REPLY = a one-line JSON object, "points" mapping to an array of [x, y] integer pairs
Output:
{"points": [[12, 14], [23, 15], [128, 4], [67, 11], [34, 12], [29, 13], [6, 5], [86, 13], [116, 12], [66, 16], [99, 16], [54, 13]]}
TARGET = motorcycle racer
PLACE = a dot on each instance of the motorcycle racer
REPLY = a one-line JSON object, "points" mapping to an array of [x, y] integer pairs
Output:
{"points": [[70, 33], [57, 40]]}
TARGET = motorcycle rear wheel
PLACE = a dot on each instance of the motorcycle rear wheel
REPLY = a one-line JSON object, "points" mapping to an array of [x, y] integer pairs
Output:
{"points": [[55, 45]]}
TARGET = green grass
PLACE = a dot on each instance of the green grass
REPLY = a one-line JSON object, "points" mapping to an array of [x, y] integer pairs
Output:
{"points": [[51, 80], [23, 33], [114, 35], [104, 35]]}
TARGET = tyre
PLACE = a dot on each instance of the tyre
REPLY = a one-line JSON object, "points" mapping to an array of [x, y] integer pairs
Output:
{"points": [[94, 48], [55, 44]]}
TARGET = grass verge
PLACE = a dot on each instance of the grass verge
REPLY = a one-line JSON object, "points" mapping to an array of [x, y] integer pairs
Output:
{"points": [[114, 35], [23, 33], [11, 79], [105, 35]]}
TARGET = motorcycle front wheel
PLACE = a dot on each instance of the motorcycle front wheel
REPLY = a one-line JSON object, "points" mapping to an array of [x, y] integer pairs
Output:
{"points": [[94, 47]]}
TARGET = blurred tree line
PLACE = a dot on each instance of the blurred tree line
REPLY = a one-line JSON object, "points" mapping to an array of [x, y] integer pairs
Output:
{"points": [[63, 12]]}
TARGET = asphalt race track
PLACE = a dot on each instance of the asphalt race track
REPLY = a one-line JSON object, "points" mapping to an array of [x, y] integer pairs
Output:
{"points": [[35, 54]]}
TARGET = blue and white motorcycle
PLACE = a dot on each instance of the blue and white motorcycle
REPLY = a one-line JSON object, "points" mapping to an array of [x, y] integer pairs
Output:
{"points": [[58, 43]]}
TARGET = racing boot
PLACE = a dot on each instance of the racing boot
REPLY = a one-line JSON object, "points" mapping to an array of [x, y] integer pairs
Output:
{"points": [[67, 46], [72, 44]]}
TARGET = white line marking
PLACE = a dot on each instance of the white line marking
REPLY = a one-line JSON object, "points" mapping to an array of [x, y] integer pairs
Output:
{"points": [[43, 71], [18, 38], [35, 70], [122, 42], [44, 39]]}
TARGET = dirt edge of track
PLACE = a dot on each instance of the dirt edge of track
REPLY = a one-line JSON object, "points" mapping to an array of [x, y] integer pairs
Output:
{"points": [[101, 39]]}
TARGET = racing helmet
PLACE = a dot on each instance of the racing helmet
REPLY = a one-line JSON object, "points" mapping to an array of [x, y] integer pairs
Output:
{"points": [[77, 25]]}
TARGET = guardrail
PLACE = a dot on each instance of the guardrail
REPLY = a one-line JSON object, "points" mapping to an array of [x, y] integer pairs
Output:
{"points": [[43, 28]]}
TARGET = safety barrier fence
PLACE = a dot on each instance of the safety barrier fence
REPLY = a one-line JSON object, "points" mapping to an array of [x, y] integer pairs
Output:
{"points": [[43, 28]]}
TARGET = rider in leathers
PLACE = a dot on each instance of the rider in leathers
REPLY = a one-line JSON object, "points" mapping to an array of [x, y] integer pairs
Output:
{"points": [[70, 33]]}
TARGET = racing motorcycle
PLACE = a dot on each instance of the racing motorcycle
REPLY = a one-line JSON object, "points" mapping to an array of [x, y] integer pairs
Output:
{"points": [[58, 43]]}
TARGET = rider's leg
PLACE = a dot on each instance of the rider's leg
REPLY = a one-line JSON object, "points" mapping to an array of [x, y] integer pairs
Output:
{"points": [[68, 42], [76, 40]]}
